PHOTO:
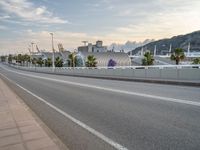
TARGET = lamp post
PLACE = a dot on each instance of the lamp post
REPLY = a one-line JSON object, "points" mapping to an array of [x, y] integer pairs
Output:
{"points": [[53, 56], [31, 52]]}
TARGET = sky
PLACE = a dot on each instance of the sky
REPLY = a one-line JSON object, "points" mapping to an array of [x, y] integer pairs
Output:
{"points": [[74, 21]]}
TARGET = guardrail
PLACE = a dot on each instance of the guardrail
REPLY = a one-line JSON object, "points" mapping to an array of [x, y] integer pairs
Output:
{"points": [[162, 72]]}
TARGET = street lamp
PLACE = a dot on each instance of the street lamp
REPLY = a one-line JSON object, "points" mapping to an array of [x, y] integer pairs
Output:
{"points": [[31, 52], [53, 56]]}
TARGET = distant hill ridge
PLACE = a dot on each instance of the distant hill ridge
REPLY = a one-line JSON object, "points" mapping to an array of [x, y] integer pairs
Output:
{"points": [[180, 41]]}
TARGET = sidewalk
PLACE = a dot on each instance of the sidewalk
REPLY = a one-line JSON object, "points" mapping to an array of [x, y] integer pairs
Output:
{"points": [[19, 128]]}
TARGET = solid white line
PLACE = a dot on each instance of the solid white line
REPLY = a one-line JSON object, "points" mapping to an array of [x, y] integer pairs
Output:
{"points": [[112, 90], [81, 124]]}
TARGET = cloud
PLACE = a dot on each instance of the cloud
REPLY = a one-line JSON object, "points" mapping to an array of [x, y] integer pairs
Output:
{"points": [[29, 12], [128, 46], [4, 17], [171, 18], [70, 40], [141, 20], [3, 27]]}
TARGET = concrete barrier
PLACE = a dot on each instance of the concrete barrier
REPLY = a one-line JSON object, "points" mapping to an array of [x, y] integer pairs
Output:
{"points": [[171, 73]]}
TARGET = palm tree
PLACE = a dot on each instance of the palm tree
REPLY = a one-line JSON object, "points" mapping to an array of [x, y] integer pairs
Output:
{"points": [[10, 58], [196, 61], [34, 61], [178, 55], [15, 58], [48, 62], [27, 58], [91, 61], [72, 60], [40, 62], [148, 59], [19, 58], [59, 62], [3, 58]]}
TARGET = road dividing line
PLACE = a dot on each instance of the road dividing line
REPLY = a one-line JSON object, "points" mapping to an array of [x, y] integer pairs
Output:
{"points": [[81, 124], [111, 90]]}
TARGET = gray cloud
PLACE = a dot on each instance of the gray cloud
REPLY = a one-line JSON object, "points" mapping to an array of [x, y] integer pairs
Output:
{"points": [[28, 11]]}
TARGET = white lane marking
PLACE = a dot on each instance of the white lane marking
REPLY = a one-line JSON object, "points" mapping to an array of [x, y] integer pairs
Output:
{"points": [[81, 124], [112, 90]]}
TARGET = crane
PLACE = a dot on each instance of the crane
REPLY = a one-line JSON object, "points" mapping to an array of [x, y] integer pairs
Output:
{"points": [[37, 49], [60, 47], [29, 50]]}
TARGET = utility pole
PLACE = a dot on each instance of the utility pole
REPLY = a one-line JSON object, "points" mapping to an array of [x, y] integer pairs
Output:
{"points": [[53, 56]]}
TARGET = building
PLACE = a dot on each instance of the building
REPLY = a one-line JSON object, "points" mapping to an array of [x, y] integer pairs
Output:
{"points": [[102, 55], [45, 55], [104, 59], [98, 47]]}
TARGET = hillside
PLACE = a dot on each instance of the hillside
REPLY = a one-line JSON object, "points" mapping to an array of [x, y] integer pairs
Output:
{"points": [[180, 41]]}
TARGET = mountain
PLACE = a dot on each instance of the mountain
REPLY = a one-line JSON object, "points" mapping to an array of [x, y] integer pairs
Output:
{"points": [[181, 41], [128, 46]]}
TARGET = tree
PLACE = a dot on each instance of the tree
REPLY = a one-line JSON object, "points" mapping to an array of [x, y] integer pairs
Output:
{"points": [[3, 58], [196, 61], [48, 62], [178, 55], [40, 62], [15, 58], [27, 58], [91, 61], [59, 62], [19, 58], [10, 58], [72, 60], [34, 61], [148, 59]]}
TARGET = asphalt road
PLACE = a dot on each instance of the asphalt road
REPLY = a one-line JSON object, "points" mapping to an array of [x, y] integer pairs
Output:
{"points": [[138, 116]]}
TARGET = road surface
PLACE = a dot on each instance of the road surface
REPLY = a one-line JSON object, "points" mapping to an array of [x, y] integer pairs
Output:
{"points": [[137, 116]]}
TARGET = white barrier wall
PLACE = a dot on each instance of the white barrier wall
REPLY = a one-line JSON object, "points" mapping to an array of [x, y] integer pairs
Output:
{"points": [[173, 73]]}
